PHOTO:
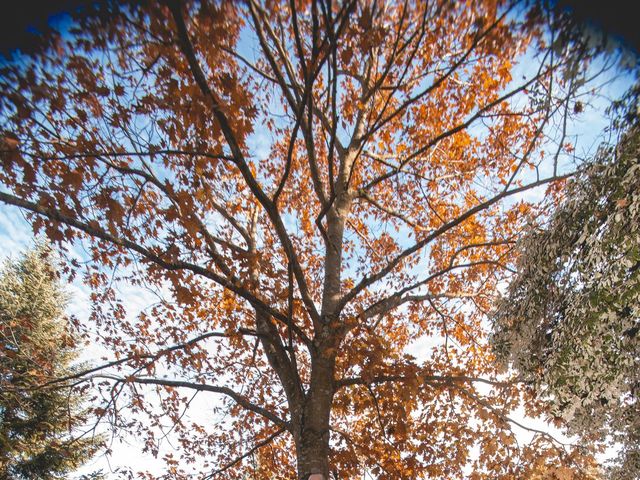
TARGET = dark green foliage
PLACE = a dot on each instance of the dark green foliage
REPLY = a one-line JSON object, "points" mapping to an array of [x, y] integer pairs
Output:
{"points": [[40, 436]]}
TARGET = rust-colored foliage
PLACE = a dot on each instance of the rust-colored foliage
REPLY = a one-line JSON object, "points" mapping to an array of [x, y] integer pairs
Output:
{"points": [[312, 187]]}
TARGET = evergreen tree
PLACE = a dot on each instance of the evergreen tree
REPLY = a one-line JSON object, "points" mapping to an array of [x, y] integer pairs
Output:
{"points": [[39, 420]]}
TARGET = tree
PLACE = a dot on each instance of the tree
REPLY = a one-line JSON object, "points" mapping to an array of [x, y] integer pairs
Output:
{"points": [[38, 424], [570, 320], [310, 188]]}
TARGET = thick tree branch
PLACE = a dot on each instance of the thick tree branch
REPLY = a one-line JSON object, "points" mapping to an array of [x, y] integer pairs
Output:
{"points": [[370, 280], [434, 379], [152, 357], [97, 232], [261, 196], [241, 400]]}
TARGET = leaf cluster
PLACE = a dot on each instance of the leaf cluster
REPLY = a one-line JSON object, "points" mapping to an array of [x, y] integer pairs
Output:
{"points": [[571, 317]]}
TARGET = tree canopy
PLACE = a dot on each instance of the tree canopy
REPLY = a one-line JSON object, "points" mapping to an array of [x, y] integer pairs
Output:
{"points": [[571, 318], [40, 435], [311, 188]]}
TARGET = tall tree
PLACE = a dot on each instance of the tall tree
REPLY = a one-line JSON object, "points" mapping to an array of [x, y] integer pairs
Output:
{"points": [[311, 187], [38, 424], [571, 318]]}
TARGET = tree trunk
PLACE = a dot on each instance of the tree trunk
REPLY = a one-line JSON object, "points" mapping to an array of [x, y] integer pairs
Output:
{"points": [[312, 436], [313, 454], [312, 439]]}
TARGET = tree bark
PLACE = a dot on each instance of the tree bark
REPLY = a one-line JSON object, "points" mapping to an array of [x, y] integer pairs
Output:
{"points": [[313, 430], [312, 435]]}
